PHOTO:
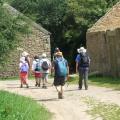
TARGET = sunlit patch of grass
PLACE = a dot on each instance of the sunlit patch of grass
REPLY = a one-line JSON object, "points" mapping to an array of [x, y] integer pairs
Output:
{"points": [[15, 107], [109, 82], [102, 110]]}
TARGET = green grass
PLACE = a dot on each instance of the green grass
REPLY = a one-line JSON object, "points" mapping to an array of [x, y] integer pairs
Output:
{"points": [[99, 81], [109, 82], [102, 110], [15, 107]]}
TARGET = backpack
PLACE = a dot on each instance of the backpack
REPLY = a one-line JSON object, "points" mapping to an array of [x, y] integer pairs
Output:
{"points": [[84, 60], [45, 65], [61, 68], [24, 67], [37, 68]]}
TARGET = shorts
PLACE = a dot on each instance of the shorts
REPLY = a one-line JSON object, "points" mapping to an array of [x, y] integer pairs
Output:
{"points": [[44, 75], [38, 75], [23, 77], [59, 81]]}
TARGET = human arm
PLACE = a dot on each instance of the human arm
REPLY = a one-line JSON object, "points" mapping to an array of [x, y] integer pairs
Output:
{"points": [[77, 63]]}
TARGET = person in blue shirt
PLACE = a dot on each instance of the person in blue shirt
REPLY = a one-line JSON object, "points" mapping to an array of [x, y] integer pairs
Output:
{"points": [[82, 67], [61, 71]]}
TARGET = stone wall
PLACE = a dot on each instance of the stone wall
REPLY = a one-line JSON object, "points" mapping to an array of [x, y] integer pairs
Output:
{"points": [[34, 43], [104, 50]]}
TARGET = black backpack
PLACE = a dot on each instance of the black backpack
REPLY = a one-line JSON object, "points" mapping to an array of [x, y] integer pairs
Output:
{"points": [[84, 60], [45, 65]]}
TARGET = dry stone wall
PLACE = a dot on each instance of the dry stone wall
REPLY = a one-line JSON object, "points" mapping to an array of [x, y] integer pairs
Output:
{"points": [[34, 43], [104, 48]]}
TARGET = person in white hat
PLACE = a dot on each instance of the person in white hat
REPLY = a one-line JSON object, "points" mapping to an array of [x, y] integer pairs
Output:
{"points": [[45, 66], [23, 66], [25, 55], [82, 66]]}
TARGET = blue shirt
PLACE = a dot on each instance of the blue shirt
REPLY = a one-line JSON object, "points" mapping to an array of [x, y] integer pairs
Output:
{"points": [[77, 58]]}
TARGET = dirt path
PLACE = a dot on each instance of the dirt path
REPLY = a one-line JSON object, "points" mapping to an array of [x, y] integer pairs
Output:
{"points": [[69, 108]]}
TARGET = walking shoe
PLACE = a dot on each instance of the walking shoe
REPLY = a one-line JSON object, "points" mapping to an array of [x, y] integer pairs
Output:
{"points": [[79, 88], [27, 86], [21, 86], [45, 87], [38, 85], [86, 88], [60, 96]]}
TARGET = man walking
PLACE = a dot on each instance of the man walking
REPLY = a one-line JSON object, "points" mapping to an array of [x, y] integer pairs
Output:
{"points": [[82, 66], [61, 69]]}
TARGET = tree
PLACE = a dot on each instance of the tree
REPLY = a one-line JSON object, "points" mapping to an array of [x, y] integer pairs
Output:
{"points": [[67, 20], [9, 30]]}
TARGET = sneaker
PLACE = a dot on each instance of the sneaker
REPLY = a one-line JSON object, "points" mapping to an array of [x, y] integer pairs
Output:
{"points": [[86, 88], [45, 87], [36, 84], [60, 96], [79, 88], [27, 86], [21, 86]]}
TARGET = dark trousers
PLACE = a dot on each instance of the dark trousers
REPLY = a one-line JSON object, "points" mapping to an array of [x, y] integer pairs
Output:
{"points": [[83, 76]]}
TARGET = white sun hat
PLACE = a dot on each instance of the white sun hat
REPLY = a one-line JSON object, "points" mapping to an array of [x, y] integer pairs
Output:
{"points": [[44, 55], [24, 54], [81, 49]]}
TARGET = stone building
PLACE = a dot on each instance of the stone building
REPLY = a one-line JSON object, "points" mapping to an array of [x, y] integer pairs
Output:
{"points": [[35, 43], [103, 43]]}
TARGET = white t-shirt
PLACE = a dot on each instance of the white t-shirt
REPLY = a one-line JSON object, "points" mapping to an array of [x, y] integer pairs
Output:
{"points": [[34, 64], [49, 64], [21, 63]]}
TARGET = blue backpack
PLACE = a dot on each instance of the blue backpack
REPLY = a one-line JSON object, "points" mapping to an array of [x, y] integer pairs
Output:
{"points": [[61, 68], [37, 67], [24, 67]]}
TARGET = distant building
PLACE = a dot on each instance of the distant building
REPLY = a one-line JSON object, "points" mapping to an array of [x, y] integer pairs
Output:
{"points": [[103, 43], [35, 43]]}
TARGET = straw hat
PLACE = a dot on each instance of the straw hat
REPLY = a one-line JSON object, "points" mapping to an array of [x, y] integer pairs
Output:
{"points": [[59, 54]]}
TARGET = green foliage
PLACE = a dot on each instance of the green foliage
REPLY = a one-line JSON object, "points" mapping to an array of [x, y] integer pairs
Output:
{"points": [[10, 28], [67, 20], [15, 107], [102, 110]]}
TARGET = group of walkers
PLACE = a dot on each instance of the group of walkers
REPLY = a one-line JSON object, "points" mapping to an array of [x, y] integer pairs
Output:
{"points": [[41, 67]]}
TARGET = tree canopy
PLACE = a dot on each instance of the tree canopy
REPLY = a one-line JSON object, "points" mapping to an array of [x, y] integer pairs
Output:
{"points": [[67, 20]]}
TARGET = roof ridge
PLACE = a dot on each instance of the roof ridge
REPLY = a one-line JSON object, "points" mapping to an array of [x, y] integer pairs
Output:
{"points": [[15, 11], [102, 18]]}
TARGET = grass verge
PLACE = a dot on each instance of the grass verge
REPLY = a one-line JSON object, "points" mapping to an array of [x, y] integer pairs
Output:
{"points": [[109, 82], [102, 110], [15, 107]]}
